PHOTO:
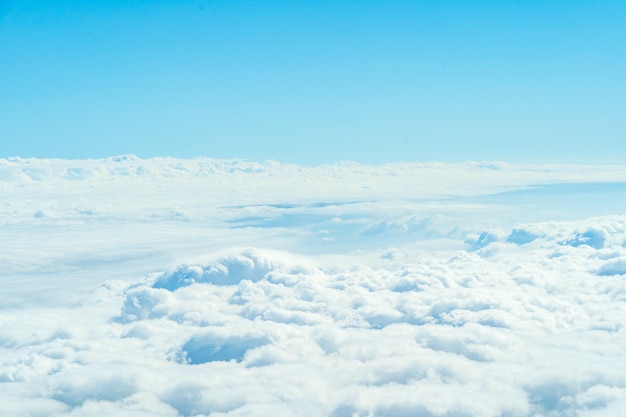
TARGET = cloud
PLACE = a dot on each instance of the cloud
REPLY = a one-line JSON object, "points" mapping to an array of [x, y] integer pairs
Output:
{"points": [[443, 323], [78, 387], [203, 287], [229, 270], [613, 267]]}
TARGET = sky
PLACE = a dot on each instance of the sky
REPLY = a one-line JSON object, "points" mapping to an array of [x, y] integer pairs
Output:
{"points": [[315, 82]]}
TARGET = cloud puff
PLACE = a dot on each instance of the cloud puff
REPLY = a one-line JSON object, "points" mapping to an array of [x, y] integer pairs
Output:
{"points": [[229, 270]]}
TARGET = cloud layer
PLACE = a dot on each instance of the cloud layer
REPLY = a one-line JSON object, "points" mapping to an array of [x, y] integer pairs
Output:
{"points": [[288, 305]]}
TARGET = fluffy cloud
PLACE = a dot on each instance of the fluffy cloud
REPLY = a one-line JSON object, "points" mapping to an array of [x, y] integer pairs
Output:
{"points": [[364, 306], [465, 334]]}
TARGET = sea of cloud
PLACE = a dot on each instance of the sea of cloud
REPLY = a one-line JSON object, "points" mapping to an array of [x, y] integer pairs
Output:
{"points": [[166, 287]]}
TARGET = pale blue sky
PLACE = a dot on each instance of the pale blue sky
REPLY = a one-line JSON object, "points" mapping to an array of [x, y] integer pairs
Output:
{"points": [[315, 81]]}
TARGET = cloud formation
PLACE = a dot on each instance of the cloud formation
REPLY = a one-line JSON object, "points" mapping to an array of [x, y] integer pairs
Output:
{"points": [[363, 308]]}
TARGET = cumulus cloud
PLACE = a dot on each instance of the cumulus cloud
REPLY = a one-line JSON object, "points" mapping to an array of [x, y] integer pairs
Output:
{"points": [[466, 323], [209, 294]]}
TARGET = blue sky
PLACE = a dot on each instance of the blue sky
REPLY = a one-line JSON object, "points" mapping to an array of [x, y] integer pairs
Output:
{"points": [[315, 81]]}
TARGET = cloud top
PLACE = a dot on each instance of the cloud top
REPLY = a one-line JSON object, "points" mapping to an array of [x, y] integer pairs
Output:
{"points": [[195, 288]]}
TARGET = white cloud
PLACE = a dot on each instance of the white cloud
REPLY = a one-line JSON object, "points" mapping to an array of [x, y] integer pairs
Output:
{"points": [[230, 288]]}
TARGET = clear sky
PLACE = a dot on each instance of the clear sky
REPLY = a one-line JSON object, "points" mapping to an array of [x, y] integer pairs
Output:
{"points": [[315, 81]]}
